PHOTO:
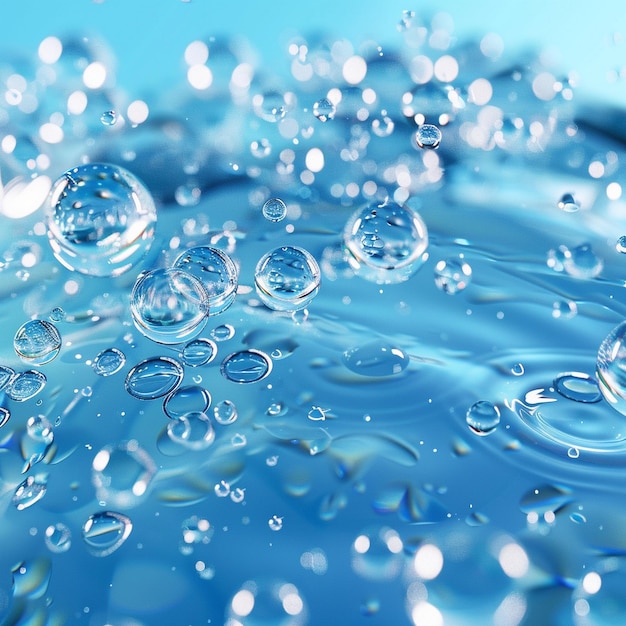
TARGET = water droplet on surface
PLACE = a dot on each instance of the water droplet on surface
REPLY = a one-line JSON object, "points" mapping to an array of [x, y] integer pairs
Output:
{"points": [[192, 430], [109, 362], [324, 110], [25, 385], [185, 400], [199, 352], [317, 414], [428, 136], [274, 210], [223, 332], [568, 203], [611, 368], [105, 532], [100, 219], [57, 314], [108, 118], [58, 538], [287, 278], [578, 386], [169, 305], [620, 246], [246, 366], [376, 358], [275, 523], [452, 275], [215, 270], [385, 243], [37, 342], [30, 491], [483, 417], [154, 378], [225, 412]]}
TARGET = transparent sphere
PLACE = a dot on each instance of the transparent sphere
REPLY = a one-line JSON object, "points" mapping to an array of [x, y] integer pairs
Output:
{"points": [[452, 275], [385, 243], [169, 305], [428, 136], [274, 210], [611, 368], [37, 342], [100, 219], [287, 278], [215, 270], [324, 110], [482, 417]]}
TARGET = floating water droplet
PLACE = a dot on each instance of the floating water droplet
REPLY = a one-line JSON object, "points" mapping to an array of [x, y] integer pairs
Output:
{"points": [[238, 440], [452, 275], [317, 414], [578, 386], [573, 453], [518, 369], [246, 366], [224, 332], [58, 538], [376, 358], [287, 278], [385, 243], [483, 417], [428, 136], [193, 430], [30, 491], [169, 305], [222, 489], [274, 210], [324, 110], [57, 314], [108, 118], [620, 246], [215, 270], [154, 378], [109, 362], [105, 532], [37, 342], [25, 385], [185, 400], [225, 412], [275, 523], [272, 461], [582, 262], [568, 203], [199, 352], [101, 219]]}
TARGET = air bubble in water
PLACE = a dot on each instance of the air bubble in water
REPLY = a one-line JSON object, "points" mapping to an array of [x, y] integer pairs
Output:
{"points": [[185, 400], [199, 352], [568, 203], [25, 385], [30, 491], [225, 412], [154, 378], [105, 532], [108, 118], [620, 246], [215, 270], [246, 366], [324, 110], [108, 362], [57, 314], [169, 305], [37, 342], [385, 243], [274, 210], [611, 368], [271, 106], [483, 417], [452, 275], [428, 136], [58, 538], [287, 278], [100, 219]]}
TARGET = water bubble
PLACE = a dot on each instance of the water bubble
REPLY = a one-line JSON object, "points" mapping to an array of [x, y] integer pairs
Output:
{"points": [[169, 305], [185, 400], [109, 362], [199, 352], [317, 413], [58, 538], [324, 110], [225, 412], [452, 275], [275, 523], [385, 243], [37, 440], [154, 377], [238, 495], [582, 262], [25, 385], [6, 375], [376, 358], [246, 366], [215, 270], [101, 219], [192, 430], [568, 203], [30, 491], [37, 342], [5, 416], [238, 440], [483, 417], [105, 532], [274, 210], [222, 489], [620, 246], [287, 278], [428, 136], [573, 453], [57, 314], [108, 118], [272, 461], [578, 386], [611, 368], [223, 332], [122, 473]]}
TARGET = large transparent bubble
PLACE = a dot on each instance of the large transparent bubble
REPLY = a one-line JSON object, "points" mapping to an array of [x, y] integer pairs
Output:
{"points": [[101, 219], [611, 368]]}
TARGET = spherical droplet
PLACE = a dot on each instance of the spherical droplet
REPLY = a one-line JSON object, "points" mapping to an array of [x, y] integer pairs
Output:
{"points": [[225, 412], [275, 522], [25, 385], [192, 430], [108, 118], [274, 210], [428, 136], [582, 262], [37, 342], [611, 368], [186, 400], [287, 278], [246, 366], [215, 270], [324, 110], [568, 203], [58, 538], [452, 275], [100, 219], [483, 417], [385, 243], [154, 378], [109, 362], [105, 532], [169, 305], [199, 352]]}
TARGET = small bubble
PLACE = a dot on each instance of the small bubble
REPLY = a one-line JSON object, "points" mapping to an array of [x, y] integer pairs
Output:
{"points": [[25, 385], [573, 453], [452, 275], [383, 125], [57, 314], [518, 369], [582, 262], [154, 378], [222, 489], [104, 532], [186, 400], [483, 417], [238, 495], [246, 366], [188, 194], [324, 110], [224, 332], [620, 246], [272, 461], [199, 352], [108, 362], [428, 136], [317, 413], [238, 440], [568, 203], [58, 538], [260, 148], [108, 118], [274, 210], [275, 523], [225, 412], [30, 491]]}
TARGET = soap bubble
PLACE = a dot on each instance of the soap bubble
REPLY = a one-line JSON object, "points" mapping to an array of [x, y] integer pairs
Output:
{"points": [[100, 219], [215, 270], [287, 278], [385, 243], [169, 305], [37, 342]]}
